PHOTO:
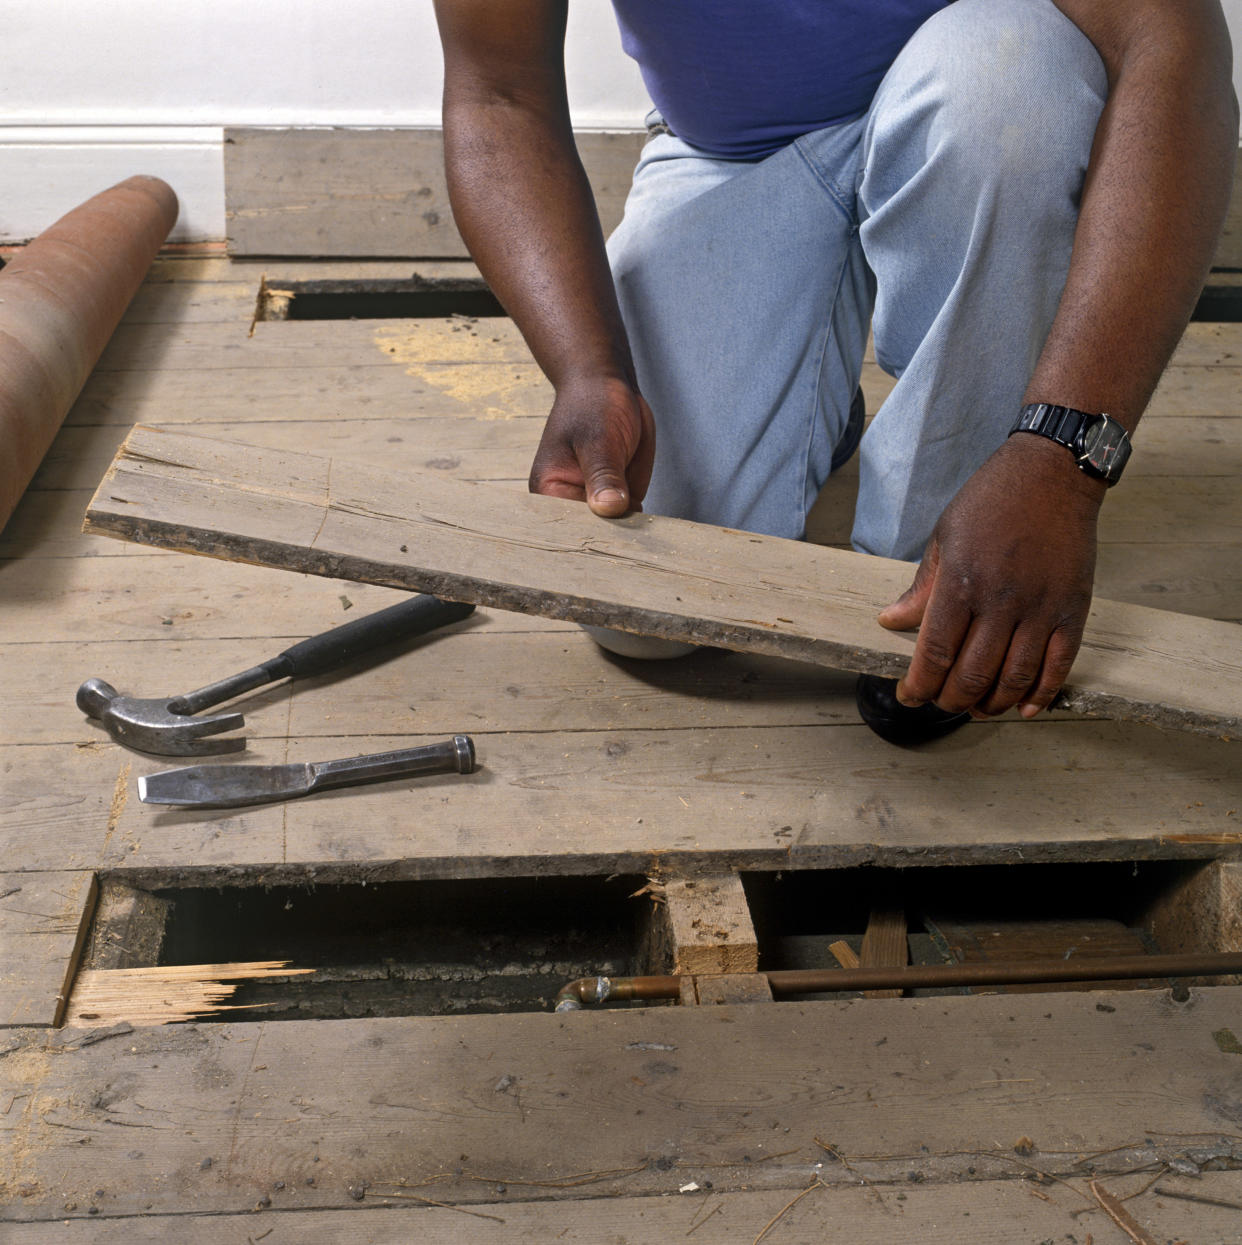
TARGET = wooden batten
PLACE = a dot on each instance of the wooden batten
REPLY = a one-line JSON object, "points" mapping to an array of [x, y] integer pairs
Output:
{"points": [[726, 988], [885, 943], [711, 926], [1201, 910]]}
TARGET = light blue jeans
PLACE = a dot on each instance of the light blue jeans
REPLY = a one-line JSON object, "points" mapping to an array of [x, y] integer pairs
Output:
{"points": [[944, 218]]}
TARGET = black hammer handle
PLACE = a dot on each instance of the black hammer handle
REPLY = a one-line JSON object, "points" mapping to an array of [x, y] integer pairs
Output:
{"points": [[332, 649]]}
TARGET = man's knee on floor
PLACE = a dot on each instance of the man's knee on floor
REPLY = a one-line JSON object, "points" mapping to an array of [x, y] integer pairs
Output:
{"points": [[641, 647]]}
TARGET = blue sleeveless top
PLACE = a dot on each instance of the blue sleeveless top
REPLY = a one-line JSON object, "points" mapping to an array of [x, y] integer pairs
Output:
{"points": [[743, 78]]}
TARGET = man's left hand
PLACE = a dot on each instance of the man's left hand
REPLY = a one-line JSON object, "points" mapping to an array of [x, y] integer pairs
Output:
{"points": [[1002, 593]]}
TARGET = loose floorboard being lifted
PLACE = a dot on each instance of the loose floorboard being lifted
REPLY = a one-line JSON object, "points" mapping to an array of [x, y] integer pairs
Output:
{"points": [[644, 573]]}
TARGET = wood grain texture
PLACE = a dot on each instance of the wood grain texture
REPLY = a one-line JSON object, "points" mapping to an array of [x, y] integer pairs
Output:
{"points": [[353, 192], [976, 1212], [884, 943], [43, 539], [1229, 249], [1034, 940], [433, 687], [1201, 910], [711, 926], [455, 442], [716, 990], [638, 801], [201, 269], [643, 573], [645, 768], [43, 922], [620, 1102]]}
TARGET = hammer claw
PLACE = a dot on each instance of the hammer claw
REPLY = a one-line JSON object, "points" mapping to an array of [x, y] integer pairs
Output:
{"points": [[150, 726], [175, 735], [215, 725], [203, 747]]}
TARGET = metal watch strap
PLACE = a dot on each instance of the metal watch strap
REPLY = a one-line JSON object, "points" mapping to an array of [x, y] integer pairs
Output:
{"points": [[1099, 444], [1061, 424]]}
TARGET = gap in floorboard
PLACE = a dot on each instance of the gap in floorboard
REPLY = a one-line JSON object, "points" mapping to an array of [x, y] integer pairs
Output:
{"points": [[413, 298], [417, 297], [500, 945], [427, 948], [979, 913]]}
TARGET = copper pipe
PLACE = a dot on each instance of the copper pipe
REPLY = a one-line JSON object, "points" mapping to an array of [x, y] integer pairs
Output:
{"points": [[61, 298], [1002, 973], [590, 990]]}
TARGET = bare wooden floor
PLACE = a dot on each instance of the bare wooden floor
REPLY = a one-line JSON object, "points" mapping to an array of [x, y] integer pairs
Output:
{"points": [[590, 765], [585, 758]]}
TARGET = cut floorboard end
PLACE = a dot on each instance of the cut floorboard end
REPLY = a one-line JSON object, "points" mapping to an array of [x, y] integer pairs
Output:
{"points": [[643, 573]]}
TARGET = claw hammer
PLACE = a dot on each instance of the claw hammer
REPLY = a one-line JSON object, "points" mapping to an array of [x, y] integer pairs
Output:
{"points": [[168, 727]]}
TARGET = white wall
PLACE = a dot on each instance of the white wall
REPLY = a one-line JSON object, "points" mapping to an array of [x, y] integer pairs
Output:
{"points": [[94, 90]]}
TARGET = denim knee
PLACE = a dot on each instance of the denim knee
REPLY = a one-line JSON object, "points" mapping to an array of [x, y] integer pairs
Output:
{"points": [[1006, 90]]}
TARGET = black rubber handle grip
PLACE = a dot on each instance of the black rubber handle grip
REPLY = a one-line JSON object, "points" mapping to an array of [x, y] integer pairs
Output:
{"points": [[335, 648]]}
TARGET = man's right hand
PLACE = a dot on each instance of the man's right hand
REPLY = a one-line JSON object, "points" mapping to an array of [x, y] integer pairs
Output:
{"points": [[597, 446], [525, 208]]}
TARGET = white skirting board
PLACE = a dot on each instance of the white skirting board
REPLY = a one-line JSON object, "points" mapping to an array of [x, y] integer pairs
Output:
{"points": [[47, 170]]}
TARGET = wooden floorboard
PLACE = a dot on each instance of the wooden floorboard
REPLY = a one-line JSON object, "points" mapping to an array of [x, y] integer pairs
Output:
{"points": [[158, 596], [171, 268], [646, 800], [1155, 511], [373, 192], [143, 617], [358, 390], [644, 573], [208, 1118], [467, 446], [411, 347], [590, 765], [455, 444], [1206, 351], [980, 1211], [43, 920], [439, 685]]}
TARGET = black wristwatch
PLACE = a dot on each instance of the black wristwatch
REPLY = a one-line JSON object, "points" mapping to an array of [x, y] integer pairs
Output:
{"points": [[1100, 445]]}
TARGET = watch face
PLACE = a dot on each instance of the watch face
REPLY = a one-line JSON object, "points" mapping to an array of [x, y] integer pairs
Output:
{"points": [[1105, 447]]}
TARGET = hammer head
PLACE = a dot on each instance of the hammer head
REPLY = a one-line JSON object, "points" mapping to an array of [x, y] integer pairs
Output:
{"points": [[151, 726]]}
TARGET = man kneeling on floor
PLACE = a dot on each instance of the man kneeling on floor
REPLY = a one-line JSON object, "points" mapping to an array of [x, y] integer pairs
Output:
{"points": [[1020, 199]]}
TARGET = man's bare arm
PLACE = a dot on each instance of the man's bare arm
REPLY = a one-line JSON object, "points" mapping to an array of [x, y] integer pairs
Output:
{"points": [[1003, 591], [525, 209]]}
